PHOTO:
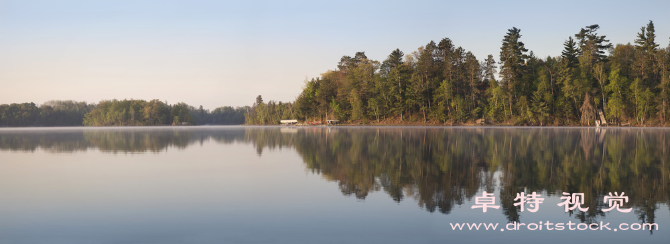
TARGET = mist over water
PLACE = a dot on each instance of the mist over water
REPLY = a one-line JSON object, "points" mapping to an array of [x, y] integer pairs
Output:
{"points": [[231, 184]]}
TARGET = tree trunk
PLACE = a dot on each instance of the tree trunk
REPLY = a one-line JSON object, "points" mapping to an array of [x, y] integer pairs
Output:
{"points": [[424, 115]]}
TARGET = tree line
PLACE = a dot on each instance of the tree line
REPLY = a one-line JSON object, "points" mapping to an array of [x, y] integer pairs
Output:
{"points": [[155, 112], [443, 83], [51, 113], [116, 113], [269, 113]]}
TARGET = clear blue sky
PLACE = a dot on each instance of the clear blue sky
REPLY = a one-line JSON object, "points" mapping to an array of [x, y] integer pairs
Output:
{"points": [[216, 53]]}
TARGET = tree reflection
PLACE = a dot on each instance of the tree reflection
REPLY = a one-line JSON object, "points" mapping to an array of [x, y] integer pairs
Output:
{"points": [[439, 168], [443, 167]]}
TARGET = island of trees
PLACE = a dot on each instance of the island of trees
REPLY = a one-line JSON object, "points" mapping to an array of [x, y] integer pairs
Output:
{"points": [[441, 83], [116, 113]]}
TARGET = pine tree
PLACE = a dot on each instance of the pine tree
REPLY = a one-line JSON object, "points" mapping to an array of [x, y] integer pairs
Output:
{"points": [[646, 47], [393, 60], [512, 58], [592, 45], [646, 39], [570, 52]]}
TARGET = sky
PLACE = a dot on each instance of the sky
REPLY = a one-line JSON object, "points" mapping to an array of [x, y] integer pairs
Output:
{"points": [[225, 53]]}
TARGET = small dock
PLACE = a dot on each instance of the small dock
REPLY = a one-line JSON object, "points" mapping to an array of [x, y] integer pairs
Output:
{"points": [[288, 121], [332, 122]]}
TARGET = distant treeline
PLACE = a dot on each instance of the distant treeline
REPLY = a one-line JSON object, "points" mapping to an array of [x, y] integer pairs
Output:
{"points": [[116, 113], [443, 83], [51, 113], [269, 113]]}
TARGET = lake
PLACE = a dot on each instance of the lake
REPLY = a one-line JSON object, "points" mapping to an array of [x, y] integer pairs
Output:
{"points": [[237, 184]]}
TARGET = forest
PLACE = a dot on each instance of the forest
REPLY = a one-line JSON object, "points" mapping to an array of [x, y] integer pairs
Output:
{"points": [[116, 113], [437, 84], [440, 83], [51, 113]]}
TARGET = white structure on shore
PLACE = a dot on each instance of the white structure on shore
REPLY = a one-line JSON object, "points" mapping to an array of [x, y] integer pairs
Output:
{"points": [[288, 121]]}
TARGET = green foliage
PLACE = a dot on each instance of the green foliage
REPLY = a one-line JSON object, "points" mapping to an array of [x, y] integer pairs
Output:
{"points": [[497, 102], [155, 112], [646, 39], [221, 116], [642, 98], [51, 113], [513, 57], [442, 82], [570, 52], [616, 107], [591, 45], [541, 100], [443, 98], [115, 113], [271, 113]]}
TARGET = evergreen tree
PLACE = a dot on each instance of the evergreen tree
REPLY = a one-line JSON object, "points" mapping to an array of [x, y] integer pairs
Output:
{"points": [[646, 48], [512, 58], [591, 45], [646, 39], [570, 52]]}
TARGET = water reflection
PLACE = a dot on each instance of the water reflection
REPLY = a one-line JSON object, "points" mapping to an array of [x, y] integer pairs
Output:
{"points": [[112, 140], [439, 168]]}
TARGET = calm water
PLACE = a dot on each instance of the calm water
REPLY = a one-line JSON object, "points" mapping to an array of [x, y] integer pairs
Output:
{"points": [[325, 185]]}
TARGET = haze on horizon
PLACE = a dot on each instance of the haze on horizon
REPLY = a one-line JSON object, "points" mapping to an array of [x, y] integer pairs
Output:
{"points": [[215, 53]]}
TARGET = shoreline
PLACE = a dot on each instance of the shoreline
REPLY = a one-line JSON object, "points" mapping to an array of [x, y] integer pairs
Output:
{"points": [[437, 125]]}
